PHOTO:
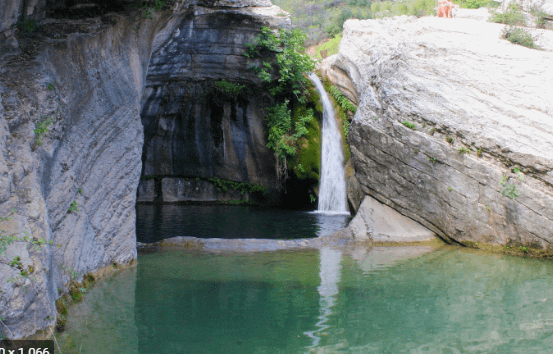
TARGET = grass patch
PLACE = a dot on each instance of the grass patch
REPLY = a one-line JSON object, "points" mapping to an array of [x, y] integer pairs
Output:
{"points": [[517, 35], [328, 48], [409, 125]]}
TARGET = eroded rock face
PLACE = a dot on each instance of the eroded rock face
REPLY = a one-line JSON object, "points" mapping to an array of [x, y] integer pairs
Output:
{"points": [[480, 107], [194, 129], [72, 188]]}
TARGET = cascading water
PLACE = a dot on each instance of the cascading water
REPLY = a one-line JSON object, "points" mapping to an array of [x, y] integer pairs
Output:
{"points": [[332, 191]]}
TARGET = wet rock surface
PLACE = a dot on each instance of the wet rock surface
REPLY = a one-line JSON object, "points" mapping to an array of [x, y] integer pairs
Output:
{"points": [[454, 127]]}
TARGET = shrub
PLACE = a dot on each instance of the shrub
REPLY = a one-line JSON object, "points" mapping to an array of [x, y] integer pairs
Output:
{"points": [[539, 17], [283, 69], [287, 61], [513, 17], [409, 125], [518, 36], [42, 129]]}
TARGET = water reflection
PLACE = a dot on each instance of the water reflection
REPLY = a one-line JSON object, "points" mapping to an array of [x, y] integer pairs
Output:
{"points": [[379, 300], [157, 222], [330, 276]]}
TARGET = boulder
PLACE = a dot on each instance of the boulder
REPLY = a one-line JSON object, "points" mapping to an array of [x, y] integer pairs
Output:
{"points": [[454, 127], [381, 224]]}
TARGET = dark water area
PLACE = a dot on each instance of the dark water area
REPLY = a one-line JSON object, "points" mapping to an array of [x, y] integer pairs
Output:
{"points": [[155, 222]]}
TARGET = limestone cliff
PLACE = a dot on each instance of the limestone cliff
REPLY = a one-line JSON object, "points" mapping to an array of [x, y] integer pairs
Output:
{"points": [[454, 127], [71, 138]]}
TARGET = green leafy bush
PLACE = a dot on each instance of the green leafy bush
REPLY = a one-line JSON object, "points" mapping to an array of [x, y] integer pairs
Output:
{"points": [[286, 61], [283, 70], [508, 190], [409, 125], [42, 128], [518, 36], [513, 17], [279, 123]]}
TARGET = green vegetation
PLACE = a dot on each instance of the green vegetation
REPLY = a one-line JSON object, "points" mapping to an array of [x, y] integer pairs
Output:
{"points": [[409, 125], [470, 244], [322, 19], [229, 87], [475, 4], [346, 105], [148, 7], [449, 139], [27, 27], [73, 208], [283, 71], [5, 239], [464, 150], [432, 159], [342, 100], [517, 35], [519, 174], [540, 18], [409, 7], [513, 16], [341, 108], [306, 162], [279, 123], [42, 129], [286, 61], [225, 185], [328, 48], [479, 152], [508, 190]]}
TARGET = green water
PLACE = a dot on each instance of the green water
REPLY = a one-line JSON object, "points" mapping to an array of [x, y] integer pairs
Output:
{"points": [[328, 301]]}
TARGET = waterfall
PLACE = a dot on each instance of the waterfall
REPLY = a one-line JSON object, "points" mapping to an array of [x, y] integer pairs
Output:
{"points": [[332, 190]]}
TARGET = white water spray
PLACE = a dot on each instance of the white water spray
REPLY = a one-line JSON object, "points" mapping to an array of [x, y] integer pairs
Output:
{"points": [[332, 191]]}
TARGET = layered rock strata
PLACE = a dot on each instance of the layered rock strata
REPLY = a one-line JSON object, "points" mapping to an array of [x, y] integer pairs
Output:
{"points": [[71, 138], [454, 127], [194, 128]]}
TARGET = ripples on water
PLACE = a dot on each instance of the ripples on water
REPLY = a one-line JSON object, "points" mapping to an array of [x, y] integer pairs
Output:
{"points": [[157, 222], [382, 300]]}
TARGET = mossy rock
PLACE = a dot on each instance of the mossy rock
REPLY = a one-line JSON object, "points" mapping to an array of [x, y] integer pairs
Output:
{"points": [[76, 293], [309, 149]]}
